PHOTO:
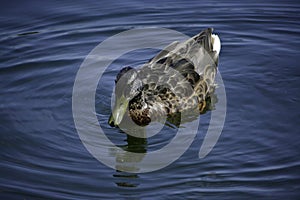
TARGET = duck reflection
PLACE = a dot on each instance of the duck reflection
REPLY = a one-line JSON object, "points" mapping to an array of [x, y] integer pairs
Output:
{"points": [[126, 179], [134, 150], [126, 162]]}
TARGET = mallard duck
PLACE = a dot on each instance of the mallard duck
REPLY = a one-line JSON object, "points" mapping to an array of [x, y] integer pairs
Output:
{"points": [[178, 79]]}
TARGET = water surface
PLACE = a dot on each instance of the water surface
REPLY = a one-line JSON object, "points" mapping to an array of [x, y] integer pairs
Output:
{"points": [[42, 47]]}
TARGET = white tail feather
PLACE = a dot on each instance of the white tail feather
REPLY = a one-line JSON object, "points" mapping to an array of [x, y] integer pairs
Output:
{"points": [[216, 43]]}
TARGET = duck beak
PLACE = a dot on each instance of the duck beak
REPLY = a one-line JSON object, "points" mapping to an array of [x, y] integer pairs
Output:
{"points": [[118, 111]]}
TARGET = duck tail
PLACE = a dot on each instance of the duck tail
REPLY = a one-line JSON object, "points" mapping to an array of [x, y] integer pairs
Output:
{"points": [[211, 42], [216, 42]]}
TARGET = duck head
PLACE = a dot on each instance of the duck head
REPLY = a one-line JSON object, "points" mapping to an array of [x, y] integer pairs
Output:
{"points": [[127, 87]]}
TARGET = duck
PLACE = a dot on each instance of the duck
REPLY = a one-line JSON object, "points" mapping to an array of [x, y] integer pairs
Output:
{"points": [[180, 78]]}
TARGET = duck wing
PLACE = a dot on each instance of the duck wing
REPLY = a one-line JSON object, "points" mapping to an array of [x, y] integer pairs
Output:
{"points": [[195, 59], [201, 50]]}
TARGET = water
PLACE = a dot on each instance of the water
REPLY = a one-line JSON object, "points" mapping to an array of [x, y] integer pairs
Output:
{"points": [[42, 47]]}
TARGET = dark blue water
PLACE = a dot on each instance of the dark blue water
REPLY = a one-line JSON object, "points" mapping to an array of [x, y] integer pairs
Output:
{"points": [[42, 47]]}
